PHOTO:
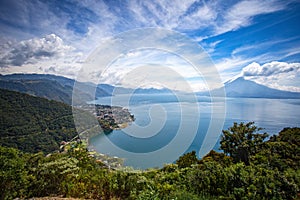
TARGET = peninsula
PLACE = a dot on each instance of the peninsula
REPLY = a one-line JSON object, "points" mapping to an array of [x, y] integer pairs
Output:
{"points": [[110, 117]]}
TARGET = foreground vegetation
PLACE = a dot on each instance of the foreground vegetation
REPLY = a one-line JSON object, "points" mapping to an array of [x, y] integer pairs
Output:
{"points": [[249, 168]]}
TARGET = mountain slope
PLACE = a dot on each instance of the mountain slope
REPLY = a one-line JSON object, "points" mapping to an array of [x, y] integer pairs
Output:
{"points": [[121, 90], [30, 77], [51, 87], [245, 88], [34, 124], [61, 89], [241, 88], [41, 88]]}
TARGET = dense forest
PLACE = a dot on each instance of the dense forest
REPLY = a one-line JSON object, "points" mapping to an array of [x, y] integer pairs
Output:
{"points": [[34, 124], [251, 167]]}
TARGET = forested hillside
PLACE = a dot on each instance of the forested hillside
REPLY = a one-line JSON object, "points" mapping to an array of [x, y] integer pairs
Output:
{"points": [[34, 124], [42, 88]]}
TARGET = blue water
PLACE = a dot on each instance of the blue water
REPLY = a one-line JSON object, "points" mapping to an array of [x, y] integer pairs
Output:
{"points": [[167, 126]]}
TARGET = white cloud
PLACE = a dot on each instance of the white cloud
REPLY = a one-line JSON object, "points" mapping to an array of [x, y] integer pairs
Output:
{"points": [[34, 50], [268, 44], [235, 63], [210, 47], [195, 15], [154, 59], [48, 54], [28, 19], [177, 15], [232, 65], [279, 75], [291, 51], [270, 69], [203, 17], [242, 13], [142, 67], [159, 13], [107, 18]]}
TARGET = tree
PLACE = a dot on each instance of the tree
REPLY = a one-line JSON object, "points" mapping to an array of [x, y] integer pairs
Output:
{"points": [[281, 151], [241, 141], [187, 160], [220, 158], [13, 176]]}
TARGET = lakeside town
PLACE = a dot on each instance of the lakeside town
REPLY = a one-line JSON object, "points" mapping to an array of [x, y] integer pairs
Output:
{"points": [[110, 117]]}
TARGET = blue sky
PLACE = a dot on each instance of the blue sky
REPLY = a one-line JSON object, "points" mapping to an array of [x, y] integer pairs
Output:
{"points": [[257, 39]]}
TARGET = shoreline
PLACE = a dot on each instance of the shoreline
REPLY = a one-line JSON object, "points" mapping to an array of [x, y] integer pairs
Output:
{"points": [[109, 118]]}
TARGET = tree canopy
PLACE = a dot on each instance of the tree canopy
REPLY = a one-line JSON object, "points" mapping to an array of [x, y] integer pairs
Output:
{"points": [[34, 124], [242, 140]]}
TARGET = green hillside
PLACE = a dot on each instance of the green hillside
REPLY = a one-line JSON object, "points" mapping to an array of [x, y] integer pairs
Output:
{"points": [[42, 88], [34, 124]]}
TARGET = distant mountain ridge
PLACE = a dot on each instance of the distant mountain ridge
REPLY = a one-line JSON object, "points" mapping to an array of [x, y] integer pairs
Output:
{"points": [[121, 90], [41, 88], [242, 88], [61, 79], [60, 88], [52, 87]]}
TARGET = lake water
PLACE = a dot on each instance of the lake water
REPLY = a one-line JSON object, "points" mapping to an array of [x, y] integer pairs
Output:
{"points": [[167, 126]]}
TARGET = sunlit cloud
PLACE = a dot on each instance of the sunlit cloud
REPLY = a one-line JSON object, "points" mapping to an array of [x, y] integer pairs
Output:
{"points": [[279, 75]]}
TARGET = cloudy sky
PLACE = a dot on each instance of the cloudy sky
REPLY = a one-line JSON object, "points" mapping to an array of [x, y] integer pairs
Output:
{"points": [[257, 39]]}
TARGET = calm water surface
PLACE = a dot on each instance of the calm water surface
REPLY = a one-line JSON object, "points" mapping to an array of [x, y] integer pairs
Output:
{"points": [[165, 128]]}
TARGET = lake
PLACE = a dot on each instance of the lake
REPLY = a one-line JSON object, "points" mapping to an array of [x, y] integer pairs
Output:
{"points": [[167, 126]]}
